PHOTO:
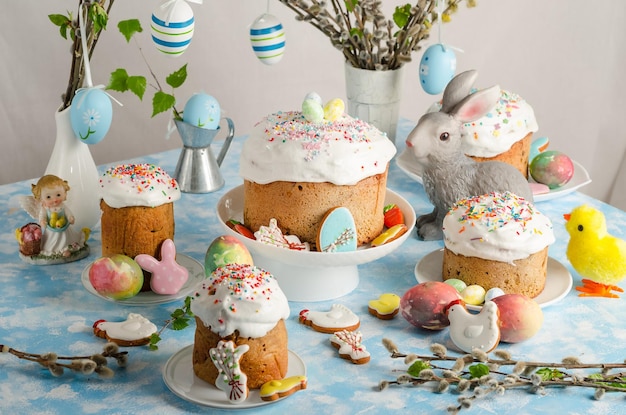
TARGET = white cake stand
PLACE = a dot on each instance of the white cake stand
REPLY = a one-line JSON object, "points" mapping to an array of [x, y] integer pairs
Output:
{"points": [[306, 275]]}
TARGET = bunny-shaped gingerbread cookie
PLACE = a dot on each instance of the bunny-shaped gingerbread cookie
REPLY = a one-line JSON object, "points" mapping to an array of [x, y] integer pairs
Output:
{"points": [[448, 174]]}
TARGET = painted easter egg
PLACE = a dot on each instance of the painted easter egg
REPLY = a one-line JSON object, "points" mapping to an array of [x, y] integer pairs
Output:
{"points": [[172, 27], [552, 168], [267, 37], [334, 109], [437, 68], [312, 111], [91, 113], [202, 110], [493, 293], [456, 283], [315, 97], [473, 294]]}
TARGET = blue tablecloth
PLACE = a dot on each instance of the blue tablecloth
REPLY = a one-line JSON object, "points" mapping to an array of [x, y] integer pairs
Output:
{"points": [[46, 308]]}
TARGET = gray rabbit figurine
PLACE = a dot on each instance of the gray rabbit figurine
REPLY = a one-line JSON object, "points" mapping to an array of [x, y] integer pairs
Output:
{"points": [[448, 174]]}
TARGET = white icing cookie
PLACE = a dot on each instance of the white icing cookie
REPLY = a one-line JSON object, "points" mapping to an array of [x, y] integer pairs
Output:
{"points": [[135, 331], [474, 331], [231, 379], [337, 232], [338, 318], [349, 345]]}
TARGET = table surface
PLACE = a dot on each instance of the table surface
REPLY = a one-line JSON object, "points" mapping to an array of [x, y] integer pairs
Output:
{"points": [[46, 308]]}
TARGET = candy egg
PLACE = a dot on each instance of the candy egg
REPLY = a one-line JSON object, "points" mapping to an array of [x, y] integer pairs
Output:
{"points": [[552, 168], [172, 27], [334, 109], [202, 110], [91, 113], [437, 68], [459, 285], [267, 37], [493, 293], [312, 111], [473, 294], [315, 97]]}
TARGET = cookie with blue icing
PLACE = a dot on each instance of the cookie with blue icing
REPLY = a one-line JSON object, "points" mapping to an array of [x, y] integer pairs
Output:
{"points": [[337, 231]]}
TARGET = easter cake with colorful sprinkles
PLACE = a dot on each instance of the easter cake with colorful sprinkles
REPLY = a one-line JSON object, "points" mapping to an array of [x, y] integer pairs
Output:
{"points": [[297, 167], [242, 304], [497, 240], [137, 211]]}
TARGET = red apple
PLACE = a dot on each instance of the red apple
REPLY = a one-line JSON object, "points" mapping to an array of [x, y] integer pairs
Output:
{"points": [[424, 305], [117, 277], [520, 317], [225, 249]]}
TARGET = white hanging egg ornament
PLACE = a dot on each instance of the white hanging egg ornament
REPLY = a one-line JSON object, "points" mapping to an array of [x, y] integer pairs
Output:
{"points": [[267, 37], [202, 110], [91, 113], [172, 27], [437, 68]]}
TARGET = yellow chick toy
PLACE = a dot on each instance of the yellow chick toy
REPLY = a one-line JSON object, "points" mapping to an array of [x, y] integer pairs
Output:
{"points": [[597, 256]]}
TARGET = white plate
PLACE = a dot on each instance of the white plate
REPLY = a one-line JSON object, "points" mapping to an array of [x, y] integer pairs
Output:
{"points": [[196, 274], [179, 377], [406, 162], [558, 281]]}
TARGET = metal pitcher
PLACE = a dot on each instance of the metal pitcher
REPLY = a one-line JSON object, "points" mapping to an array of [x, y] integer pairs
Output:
{"points": [[197, 170]]}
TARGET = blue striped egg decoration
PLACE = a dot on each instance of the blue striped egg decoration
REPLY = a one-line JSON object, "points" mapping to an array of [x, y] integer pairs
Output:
{"points": [[267, 37], [91, 113], [172, 27]]}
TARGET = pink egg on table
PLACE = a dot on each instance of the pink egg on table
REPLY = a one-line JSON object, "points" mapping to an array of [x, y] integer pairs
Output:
{"points": [[552, 168], [424, 305], [520, 317], [118, 277]]}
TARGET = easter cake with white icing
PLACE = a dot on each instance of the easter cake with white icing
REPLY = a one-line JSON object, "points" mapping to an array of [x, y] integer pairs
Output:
{"points": [[242, 304], [296, 169], [497, 240], [137, 203]]}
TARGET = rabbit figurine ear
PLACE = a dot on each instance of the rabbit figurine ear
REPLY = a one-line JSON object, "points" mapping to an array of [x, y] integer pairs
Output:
{"points": [[458, 88], [476, 105]]}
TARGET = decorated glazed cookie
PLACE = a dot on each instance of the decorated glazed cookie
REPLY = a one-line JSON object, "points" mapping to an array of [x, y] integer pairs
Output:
{"points": [[474, 331], [390, 234], [385, 307], [272, 235], [348, 343], [276, 389], [135, 331], [231, 379], [337, 232], [168, 277], [338, 318]]}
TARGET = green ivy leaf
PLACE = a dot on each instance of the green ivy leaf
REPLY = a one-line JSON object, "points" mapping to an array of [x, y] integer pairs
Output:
{"points": [[154, 339], [401, 15], [177, 78], [180, 323], [162, 102], [478, 370], [129, 27], [416, 367]]}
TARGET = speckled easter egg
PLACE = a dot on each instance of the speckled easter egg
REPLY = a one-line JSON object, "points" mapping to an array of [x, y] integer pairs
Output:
{"points": [[493, 293], [202, 110], [473, 294], [315, 97], [91, 114], [459, 285], [552, 168], [312, 110], [267, 37], [334, 109], [172, 27], [437, 68]]}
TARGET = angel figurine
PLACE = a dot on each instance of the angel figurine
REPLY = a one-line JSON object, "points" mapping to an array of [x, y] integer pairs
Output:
{"points": [[60, 242]]}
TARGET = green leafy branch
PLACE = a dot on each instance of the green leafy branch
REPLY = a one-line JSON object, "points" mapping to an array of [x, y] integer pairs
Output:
{"points": [[121, 81], [476, 375], [179, 319]]}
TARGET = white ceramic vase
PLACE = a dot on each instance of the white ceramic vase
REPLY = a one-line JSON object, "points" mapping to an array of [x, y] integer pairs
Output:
{"points": [[374, 96], [71, 160]]}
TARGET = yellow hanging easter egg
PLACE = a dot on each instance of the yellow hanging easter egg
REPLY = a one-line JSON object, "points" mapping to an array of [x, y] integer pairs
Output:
{"points": [[334, 109]]}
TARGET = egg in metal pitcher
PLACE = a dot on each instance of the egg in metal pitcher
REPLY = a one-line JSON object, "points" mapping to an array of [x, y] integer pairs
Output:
{"points": [[202, 110]]}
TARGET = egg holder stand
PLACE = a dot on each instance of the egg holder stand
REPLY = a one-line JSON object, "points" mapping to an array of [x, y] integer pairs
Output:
{"points": [[197, 169], [311, 276]]}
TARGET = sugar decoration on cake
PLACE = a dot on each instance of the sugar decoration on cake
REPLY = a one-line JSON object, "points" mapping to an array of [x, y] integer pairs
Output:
{"points": [[231, 379], [337, 232]]}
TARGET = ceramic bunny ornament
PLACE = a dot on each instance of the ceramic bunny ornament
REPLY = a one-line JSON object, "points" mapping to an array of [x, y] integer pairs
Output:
{"points": [[448, 174]]}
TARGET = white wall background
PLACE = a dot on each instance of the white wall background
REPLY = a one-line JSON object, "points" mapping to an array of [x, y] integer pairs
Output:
{"points": [[565, 57]]}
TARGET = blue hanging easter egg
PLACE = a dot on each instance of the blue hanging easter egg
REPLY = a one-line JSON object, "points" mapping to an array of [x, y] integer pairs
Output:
{"points": [[437, 68], [202, 110], [91, 113], [172, 27], [267, 37]]}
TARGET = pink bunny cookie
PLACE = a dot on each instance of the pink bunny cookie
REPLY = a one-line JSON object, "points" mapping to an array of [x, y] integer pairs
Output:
{"points": [[168, 277]]}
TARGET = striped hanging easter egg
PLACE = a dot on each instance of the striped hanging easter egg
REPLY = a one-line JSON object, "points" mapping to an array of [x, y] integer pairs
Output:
{"points": [[267, 37], [172, 27]]}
